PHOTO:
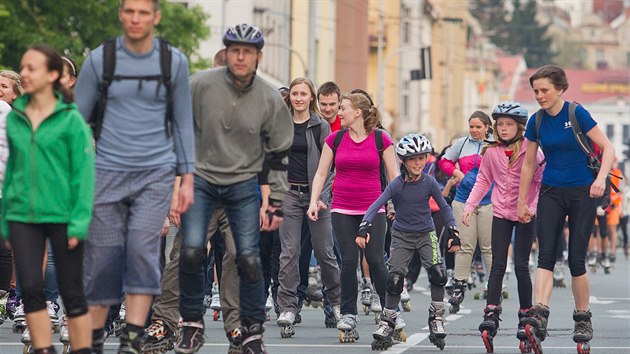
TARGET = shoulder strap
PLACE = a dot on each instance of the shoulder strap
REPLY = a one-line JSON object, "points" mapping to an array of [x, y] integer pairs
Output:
{"points": [[109, 67], [378, 137], [317, 135], [579, 135], [461, 148], [166, 56], [538, 122], [336, 143]]}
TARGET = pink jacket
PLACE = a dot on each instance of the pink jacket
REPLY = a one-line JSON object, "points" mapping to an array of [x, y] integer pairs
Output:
{"points": [[494, 168]]}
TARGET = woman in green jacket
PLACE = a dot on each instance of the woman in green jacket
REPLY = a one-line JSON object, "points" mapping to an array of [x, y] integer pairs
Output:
{"points": [[48, 194]]}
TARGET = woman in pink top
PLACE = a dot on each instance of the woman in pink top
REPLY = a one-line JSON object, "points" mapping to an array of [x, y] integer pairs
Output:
{"points": [[501, 164], [357, 186]]}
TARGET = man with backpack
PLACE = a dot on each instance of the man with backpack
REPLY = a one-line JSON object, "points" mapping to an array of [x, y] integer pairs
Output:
{"points": [[134, 92]]}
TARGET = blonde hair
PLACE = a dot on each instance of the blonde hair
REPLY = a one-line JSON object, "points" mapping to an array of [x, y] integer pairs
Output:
{"points": [[515, 146], [312, 106], [17, 80], [371, 115]]}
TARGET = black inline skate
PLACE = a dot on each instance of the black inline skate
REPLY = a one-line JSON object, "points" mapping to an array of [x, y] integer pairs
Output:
{"points": [[490, 326], [458, 295], [383, 334], [536, 326]]}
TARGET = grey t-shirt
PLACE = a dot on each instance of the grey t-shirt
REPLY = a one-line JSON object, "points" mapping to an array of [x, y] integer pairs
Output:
{"points": [[133, 136], [411, 201]]}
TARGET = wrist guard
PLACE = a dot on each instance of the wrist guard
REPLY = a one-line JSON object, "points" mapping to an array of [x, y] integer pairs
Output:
{"points": [[364, 228], [453, 234]]}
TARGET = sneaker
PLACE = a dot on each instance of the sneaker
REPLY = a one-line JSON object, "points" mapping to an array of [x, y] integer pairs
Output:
{"points": [[215, 304], [375, 303], [191, 337], [286, 318]]}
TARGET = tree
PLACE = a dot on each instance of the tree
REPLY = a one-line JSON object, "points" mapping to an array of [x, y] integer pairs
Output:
{"points": [[519, 33], [76, 26]]}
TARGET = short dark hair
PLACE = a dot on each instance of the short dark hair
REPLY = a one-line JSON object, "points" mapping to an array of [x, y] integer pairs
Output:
{"points": [[156, 4], [327, 89], [554, 73]]}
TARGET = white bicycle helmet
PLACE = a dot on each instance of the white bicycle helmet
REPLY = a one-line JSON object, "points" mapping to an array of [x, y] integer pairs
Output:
{"points": [[413, 145]]}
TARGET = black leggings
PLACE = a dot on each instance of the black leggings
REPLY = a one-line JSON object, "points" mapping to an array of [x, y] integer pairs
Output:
{"points": [[29, 244], [346, 227], [554, 205], [501, 239]]}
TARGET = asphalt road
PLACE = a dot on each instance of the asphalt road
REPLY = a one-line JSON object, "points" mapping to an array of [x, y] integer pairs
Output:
{"points": [[610, 305]]}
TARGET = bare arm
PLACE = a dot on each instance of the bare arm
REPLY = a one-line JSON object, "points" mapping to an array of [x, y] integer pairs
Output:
{"points": [[325, 161], [391, 165], [527, 173]]}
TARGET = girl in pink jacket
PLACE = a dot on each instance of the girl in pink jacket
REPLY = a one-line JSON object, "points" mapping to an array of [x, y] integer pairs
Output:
{"points": [[501, 164]]}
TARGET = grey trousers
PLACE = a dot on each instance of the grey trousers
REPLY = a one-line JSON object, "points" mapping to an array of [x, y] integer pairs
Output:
{"points": [[165, 307], [404, 245], [294, 206]]}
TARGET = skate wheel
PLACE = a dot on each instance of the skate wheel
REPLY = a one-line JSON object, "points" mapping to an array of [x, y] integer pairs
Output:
{"points": [[400, 336], [215, 315], [406, 306], [487, 341], [340, 336], [366, 309], [583, 348], [453, 309], [441, 343], [27, 349], [524, 347]]}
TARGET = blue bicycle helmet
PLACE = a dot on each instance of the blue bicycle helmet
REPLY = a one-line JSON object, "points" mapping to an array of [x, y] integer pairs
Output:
{"points": [[512, 110], [244, 34]]}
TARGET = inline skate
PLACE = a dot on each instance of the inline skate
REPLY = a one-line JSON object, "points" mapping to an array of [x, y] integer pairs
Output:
{"points": [[536, 326], [191, 337], [235, 337], [347, 327], [159, 338], [558, 275], [253, 338], [490, 326], [524, 345], [458, 296], [405, 299], [583, 331], [285, 321], [383, 335], [332, 316], [376, 307], [437, 333], [366, 295]]}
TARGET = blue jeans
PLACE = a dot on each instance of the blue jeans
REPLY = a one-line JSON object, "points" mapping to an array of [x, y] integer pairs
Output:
{"points": [[241, 204]]}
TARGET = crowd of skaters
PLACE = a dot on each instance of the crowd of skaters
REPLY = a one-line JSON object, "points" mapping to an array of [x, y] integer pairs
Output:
{"points": [[273, 175]]}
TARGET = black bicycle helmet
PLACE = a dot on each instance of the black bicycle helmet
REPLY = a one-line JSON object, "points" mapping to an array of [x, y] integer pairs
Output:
{"points": [[512, 110], [244, 34]]}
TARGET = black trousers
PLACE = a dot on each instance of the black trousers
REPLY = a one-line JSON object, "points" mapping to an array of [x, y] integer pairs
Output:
{"points": [[29, 244]]}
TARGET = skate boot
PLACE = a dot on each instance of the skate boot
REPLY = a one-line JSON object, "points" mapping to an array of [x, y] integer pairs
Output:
{"points": [[450, 282], [131, 342], [481, 273], [119, 323], [159, 338], [64, 337], [605, 263], [347, 327], [26, 340], [383, 334], [583, 331], [375, 307], [399, 331], [458, 296], [12, 304], [490, 326], [253, 338], [405, 299], [536, 326], [215, 303], [268, 306], [98, 340], [612, 258], [285, 321], [332, 316], [558, 275], [52, 314], [235, 337], [19, 319], [4, 313], [191, 337], [591, 261], [207, 300], [524, 345], [436, 324], [366, 294]]}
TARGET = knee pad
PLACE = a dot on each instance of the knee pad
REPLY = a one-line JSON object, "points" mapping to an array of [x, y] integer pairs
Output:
{"points": [[437, 275], [191, 259], [249, 267], [395, 283]]}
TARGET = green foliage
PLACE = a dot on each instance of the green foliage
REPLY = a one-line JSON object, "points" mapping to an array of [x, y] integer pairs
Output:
{"points": [[518, 34], [76, 26]]}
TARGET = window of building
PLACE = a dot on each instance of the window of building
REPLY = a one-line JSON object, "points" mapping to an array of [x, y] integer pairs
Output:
{"points": [[406, 26], [626, 132], [610, 131]]}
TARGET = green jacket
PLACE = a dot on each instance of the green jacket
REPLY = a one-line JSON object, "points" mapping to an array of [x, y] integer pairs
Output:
{"points": [[50, 171]]}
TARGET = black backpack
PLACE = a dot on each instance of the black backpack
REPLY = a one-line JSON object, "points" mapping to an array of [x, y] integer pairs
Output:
{"points": [[378, 136], [109, 68]]}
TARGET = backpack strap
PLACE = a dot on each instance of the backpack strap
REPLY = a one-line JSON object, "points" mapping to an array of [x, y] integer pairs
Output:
{"points": [[336, 143], [166, 56], [378, 137], [109, 66], [538, 123], [317, 135]]}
